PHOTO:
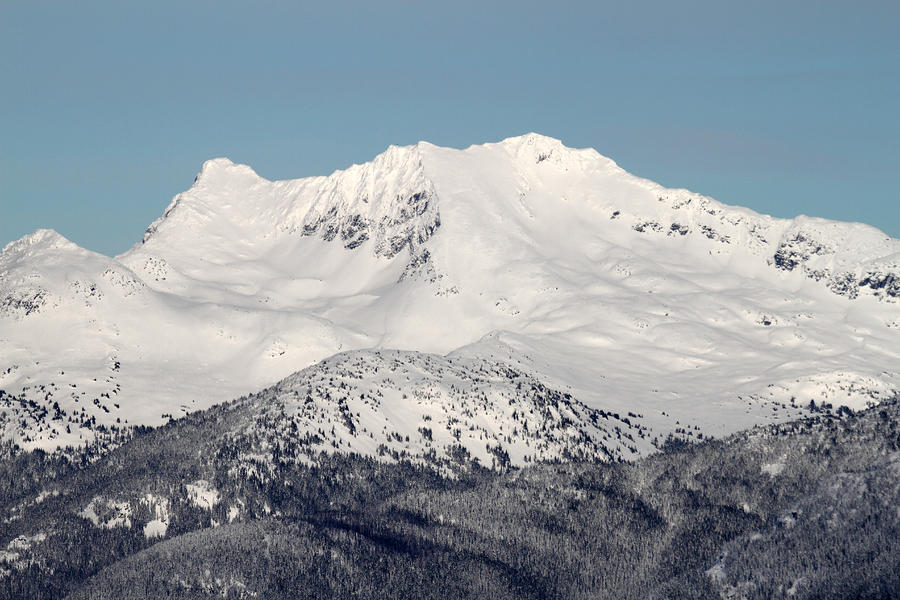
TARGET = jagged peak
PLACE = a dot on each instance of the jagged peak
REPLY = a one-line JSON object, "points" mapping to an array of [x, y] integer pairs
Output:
{"points": [[378, 190], [389, 200], [393, 158], [392, 202]]}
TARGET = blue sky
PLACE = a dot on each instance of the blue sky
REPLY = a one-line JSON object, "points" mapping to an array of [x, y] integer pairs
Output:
{"points": [[108, 109]]}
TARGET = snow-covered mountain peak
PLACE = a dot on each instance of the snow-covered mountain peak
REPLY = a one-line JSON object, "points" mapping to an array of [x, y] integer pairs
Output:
{"points": [[41, 261], [603, 285], [534, 148], [301, 228], [220, 188], [390, 203], [531, 140], [412, 405], [223, 172], [38, 241], [388, 200]]}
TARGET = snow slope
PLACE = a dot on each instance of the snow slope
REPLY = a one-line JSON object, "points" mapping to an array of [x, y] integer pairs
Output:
{"points": [[626, 295], [426, 407]]}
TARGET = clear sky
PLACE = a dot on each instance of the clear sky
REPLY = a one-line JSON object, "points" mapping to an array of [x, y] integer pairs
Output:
{"points": [[108, 109]]}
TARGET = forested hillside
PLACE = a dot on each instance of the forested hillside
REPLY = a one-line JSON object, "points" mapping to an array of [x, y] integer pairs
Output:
{"points": [[804, 510]]}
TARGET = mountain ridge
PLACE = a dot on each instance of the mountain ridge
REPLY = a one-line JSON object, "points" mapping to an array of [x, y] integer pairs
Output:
{"points": [[626, 295], [350, 202]]}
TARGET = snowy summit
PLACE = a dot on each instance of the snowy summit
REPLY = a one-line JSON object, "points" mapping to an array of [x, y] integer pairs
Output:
{"points": [[604, 291]]}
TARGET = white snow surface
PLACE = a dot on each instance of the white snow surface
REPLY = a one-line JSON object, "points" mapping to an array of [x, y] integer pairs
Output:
{"points": [[106, 513], [412, 405], [202, 494], [626, 295], [159, 507], [773, 469]]}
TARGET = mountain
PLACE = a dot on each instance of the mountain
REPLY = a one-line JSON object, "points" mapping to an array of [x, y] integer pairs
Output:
{"points": [[805, 509], [605, 291]]}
